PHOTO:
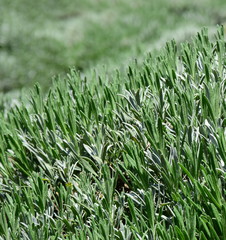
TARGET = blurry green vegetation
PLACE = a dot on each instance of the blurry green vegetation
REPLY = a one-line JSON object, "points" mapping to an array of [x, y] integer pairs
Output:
{"points": [[39, 39]]}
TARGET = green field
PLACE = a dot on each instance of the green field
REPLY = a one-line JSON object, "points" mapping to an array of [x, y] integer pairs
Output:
{"points": [[40, 39], [137, 153]]}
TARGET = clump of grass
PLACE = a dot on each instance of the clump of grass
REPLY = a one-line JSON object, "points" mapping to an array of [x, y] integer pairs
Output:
{"points": [[139, 157]]}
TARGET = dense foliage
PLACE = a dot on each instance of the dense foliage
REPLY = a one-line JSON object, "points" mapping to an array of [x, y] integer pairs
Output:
{"points": [[138, 157]]}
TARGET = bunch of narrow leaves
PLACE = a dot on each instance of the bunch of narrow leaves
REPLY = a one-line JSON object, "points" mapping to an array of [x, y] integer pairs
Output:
{"points": [[136, 157]]}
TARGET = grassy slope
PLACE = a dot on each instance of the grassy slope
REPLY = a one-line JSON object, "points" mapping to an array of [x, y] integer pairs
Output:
{"points": [[141, 157], [41, 38]]}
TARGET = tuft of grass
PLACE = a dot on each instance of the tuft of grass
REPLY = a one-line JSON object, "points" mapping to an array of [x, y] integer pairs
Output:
{"points": [[135, 157]]}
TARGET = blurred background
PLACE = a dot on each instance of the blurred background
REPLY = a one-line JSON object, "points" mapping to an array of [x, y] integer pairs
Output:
{"points": [[41, 39]]}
